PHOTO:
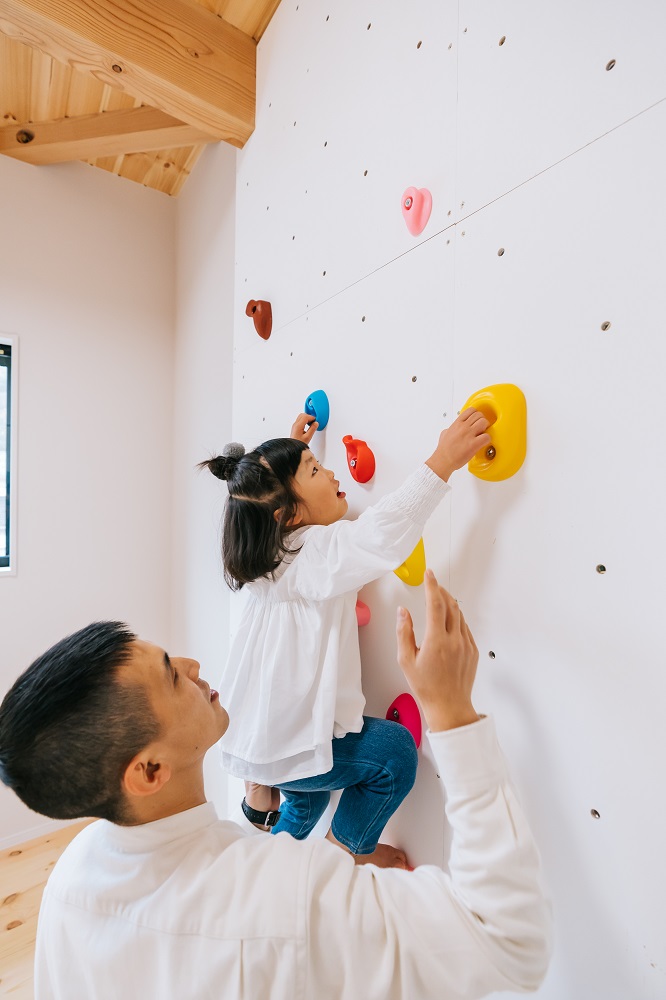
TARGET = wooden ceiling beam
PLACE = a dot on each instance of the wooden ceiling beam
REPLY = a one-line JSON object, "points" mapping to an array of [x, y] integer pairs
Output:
{"points": [[108, 133], [172, 54]]}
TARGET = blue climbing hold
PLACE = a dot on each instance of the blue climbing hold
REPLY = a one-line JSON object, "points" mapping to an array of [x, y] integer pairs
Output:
{"points": [[316, 405]]}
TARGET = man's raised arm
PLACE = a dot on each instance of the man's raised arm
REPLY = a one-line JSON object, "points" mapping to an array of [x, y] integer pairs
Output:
{"points": [[486, 927]]}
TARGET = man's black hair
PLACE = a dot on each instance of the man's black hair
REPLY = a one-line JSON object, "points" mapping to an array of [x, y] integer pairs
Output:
{"points": [[69, 727]]}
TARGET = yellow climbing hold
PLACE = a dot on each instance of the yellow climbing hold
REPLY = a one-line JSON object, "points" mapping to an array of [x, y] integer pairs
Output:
{"points": [[505, 407], [413, 569]]}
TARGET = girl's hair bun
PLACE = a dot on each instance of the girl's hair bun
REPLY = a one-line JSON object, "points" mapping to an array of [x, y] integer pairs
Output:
{"points": [[225, 464]]}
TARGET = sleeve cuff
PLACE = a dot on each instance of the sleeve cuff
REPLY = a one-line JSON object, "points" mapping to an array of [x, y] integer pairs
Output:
{"points": [[468, 755]]}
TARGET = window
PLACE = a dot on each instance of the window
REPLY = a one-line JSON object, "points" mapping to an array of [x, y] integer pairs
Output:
{"points": [[6, 513]]}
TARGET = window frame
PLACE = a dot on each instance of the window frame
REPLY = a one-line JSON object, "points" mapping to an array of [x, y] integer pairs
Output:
{"points": [[8, 563]]}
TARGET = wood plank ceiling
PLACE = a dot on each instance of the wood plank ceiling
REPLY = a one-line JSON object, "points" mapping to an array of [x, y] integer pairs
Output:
{"points": [[135, 87]]}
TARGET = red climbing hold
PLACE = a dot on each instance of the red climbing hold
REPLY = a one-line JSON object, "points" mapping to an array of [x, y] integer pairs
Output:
{"points": [[360, 459], [262, 315]]}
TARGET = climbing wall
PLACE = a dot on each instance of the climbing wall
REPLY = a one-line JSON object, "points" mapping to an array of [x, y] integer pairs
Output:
{"points": [[539, 131]]}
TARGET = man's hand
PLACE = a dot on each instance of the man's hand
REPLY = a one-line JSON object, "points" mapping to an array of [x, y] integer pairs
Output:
{"points": [[441, 673], [303, 428], [459, 443]]}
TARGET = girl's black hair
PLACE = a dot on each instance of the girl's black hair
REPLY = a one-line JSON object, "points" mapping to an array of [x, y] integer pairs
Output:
{"points": [[260, 483]]}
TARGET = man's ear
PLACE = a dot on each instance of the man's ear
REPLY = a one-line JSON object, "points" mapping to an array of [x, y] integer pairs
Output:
{"points": [[294, 521], [145, 776]]}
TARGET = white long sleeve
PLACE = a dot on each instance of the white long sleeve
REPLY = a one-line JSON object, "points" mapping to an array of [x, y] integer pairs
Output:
{"points": [[425, 934], [341, 557], [191, 906]]}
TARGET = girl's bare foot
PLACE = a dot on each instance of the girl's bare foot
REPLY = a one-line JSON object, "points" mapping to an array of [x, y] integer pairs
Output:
{"points": [[384, 856]]}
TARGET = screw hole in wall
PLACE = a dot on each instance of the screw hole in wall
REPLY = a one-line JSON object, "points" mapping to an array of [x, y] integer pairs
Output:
{"points": [[419, 44], [323, 273], [369, 26], [601, 569], [609, 65], [365, 173], [413, 378], [502, 40], [362, 319], [595, 814], [500, 252], [491, 654], [605, 326]]}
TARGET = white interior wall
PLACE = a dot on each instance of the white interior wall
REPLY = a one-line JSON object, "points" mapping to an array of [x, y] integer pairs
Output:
{"points": [[535, 147], [202, 425], [86, 284]]}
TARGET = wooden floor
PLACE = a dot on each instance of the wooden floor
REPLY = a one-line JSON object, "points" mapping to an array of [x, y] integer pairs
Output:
{"points": [[24, 870]]}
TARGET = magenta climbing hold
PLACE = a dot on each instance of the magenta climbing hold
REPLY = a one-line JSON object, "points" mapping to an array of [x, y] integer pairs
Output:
{"points": [[416, 209], [362, 613], [405, 711], [360, 459]]}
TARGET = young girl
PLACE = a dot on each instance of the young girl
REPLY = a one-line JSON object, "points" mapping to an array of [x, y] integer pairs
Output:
{"points": [[293, 678]]}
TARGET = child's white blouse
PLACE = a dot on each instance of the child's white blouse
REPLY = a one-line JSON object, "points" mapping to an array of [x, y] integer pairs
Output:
{"points": [[292, 681]]}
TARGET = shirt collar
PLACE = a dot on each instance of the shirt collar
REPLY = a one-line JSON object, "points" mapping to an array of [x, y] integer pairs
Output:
{"points": [[148, 836]]}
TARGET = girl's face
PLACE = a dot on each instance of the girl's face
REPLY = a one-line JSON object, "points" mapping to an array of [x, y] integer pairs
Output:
{"points": [[322, 502]]}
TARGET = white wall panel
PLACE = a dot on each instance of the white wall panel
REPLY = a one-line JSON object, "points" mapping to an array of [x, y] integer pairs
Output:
{"points": [[336, 99], [535, 148], [546, 92], [578, 684]]}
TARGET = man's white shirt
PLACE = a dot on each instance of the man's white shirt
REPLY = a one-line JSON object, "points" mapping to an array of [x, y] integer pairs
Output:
{"points": [[192, 906]]}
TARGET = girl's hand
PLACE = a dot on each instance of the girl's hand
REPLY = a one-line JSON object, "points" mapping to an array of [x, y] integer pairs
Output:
{"points": [[303, 428], [459, 443], [263, 798]]}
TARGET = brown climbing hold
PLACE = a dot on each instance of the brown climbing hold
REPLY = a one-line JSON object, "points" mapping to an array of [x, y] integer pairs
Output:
{"points": [[262, 314]]}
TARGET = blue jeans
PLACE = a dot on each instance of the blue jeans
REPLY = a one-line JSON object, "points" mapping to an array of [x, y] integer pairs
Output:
{"points": [[376, 768]]}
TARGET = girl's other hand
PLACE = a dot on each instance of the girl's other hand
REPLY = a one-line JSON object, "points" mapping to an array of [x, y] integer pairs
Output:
{"points": [[459, 443], [303, 428]]}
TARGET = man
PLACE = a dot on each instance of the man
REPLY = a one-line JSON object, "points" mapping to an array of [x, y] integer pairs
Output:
{"points": [[162, 899]]}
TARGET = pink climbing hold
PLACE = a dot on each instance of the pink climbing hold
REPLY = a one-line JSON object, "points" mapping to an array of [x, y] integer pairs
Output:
{"points": [[362, 613], [405, 711], [416, 209]]}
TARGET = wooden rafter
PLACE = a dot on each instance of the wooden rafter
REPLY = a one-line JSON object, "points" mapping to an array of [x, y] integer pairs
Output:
{"points": [[171, 54], [110, 133]]}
